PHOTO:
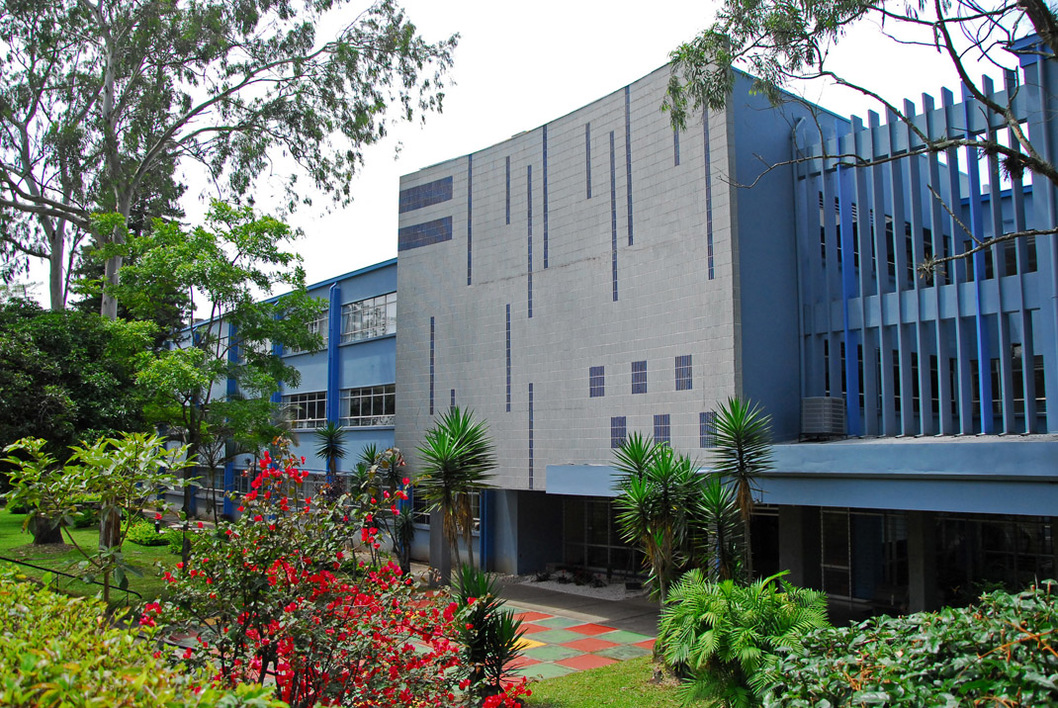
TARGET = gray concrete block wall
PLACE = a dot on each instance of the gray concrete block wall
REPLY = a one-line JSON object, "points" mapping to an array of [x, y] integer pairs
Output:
{"points": [[667, 306]]}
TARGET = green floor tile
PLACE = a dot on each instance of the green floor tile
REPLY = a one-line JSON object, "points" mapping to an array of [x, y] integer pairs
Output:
{"points": [[551, 653], [625, 651], [559, 623], [622, 637], [555, 636], [544, 671]]}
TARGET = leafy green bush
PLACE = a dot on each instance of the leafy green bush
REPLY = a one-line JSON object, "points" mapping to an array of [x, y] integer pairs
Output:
{"points": [[142, 532], [62, 651], [717, 635], [1001, 652]]}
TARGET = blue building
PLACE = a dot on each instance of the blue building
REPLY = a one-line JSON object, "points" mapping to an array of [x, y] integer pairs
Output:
{"points": [[603, 274]]}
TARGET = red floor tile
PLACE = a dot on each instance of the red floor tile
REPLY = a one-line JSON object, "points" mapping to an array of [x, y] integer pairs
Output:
{"points": [[648, 644], [532, 616], [531, 628], [591, 629], [590, 644], [586, 661]]}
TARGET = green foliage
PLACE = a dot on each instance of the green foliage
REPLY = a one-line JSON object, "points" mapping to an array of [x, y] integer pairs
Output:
{"points": [[142, 533], [654, 508], [61, 651], [209, 280], [625, 684], [66, 376], [718, 635], [741, 451], [718, 535], [1000, 652], [330, 446], [489, 633], [122, 473], [458, 458]]}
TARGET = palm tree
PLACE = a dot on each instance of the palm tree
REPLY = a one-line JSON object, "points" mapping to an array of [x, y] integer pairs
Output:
{"points": [[458, 458], [742, 452], [654, 506], [330, 445]]}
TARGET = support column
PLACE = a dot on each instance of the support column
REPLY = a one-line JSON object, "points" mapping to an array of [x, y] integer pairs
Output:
{"points": [[921, 561], [799, 545]]}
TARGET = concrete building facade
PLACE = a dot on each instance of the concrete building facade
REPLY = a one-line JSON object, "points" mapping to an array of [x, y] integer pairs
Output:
{"points": [[604, 274]]}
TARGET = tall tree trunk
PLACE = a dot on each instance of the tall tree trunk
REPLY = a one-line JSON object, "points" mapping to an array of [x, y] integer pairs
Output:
{"points": [[56, 273]]}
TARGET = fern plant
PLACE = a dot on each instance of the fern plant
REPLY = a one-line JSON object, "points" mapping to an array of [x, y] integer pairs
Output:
{"points": [[717, 635]]}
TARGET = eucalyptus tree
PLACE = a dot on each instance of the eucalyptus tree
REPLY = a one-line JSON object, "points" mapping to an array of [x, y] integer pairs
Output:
{"points": [[106, 103]]}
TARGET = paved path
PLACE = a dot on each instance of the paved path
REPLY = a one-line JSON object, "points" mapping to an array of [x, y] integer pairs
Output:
{"points": [[567, 633]]}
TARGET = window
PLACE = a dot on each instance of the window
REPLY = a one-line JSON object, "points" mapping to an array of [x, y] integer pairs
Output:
{"points": [[307, 410], [368, 406], [316, 326], [597, 381], [683, 373], [373, 317], [639, 377], [707, 429], [420, 513], [618, 430], [662, 428]]}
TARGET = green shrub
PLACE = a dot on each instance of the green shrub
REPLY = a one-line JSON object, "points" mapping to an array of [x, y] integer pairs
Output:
{"points": [[718, 635], [62, 651], [1001, 652], [143, 533]]}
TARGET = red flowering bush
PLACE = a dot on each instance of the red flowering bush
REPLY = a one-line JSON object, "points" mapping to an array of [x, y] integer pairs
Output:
{"points": [[269, 595]]}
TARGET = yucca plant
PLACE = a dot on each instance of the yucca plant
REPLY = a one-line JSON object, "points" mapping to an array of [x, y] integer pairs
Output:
{"points": [[330, 446], [717, 635], [742, 452], [458, 459], [654, 506], [718, 533], [490, 634]]}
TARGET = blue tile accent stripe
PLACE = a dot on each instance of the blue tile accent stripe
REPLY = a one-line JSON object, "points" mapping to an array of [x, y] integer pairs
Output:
{"points": [[529, 215], [508, 357], [613, 215], [530, 436], [425, 234], [587, 157], [545, 198], [628, 156], [432, 350], [424, 195], [675, 148], [470, 216], [618, 430], [508, 161], [452, 404], [708, 197]]}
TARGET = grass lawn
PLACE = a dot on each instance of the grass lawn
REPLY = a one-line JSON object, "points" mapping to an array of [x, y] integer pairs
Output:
{"points": [[18, 545], [626, 684]]}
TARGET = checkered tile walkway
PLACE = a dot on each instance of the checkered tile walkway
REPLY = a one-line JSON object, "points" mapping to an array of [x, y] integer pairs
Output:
{"points": [[554, 645]]}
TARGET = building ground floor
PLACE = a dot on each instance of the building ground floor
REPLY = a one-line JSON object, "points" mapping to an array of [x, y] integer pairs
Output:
{"points": [[881, 526]]}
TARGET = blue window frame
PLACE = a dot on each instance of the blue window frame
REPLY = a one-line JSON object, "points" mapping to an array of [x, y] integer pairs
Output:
{"points": [[618, 430], [597, 381], [683, 373], [639, 377], [663, 428]]}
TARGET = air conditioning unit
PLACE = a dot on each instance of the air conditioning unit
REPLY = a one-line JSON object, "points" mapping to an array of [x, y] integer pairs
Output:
{"points": [[822, 417]]}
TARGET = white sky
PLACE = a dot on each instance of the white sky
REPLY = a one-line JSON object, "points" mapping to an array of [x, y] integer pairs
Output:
{"points": [[519, 65]]}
